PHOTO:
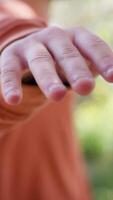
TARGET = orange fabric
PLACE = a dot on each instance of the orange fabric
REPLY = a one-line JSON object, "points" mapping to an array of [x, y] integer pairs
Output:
{"points": [[39, 158], [14, 25]]}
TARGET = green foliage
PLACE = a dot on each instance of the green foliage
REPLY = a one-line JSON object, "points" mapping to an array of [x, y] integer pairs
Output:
{"points": [[104, 194], [92, 146], [94, 119]]}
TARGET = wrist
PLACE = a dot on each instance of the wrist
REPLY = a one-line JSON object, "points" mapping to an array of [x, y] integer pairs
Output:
{"points": [[13, 29]]}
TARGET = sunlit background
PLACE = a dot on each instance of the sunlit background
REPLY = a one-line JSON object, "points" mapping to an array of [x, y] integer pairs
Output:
{"points": [[94, 113]]}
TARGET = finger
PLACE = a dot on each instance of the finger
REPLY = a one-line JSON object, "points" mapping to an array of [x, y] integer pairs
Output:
{"points": [[70, 60], [96, 50], [11, 78], [43, 69]]}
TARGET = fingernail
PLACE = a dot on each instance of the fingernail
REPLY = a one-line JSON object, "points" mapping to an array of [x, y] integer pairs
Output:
{"points": [[13, 98], [109, 75], [56, 91], [83, 85]]}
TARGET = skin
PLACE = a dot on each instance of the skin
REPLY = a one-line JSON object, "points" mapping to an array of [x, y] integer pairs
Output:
{"points": [[52, 50]]}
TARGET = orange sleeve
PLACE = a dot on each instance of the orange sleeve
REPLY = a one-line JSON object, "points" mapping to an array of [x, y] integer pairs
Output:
{"points": [[18, 20]]}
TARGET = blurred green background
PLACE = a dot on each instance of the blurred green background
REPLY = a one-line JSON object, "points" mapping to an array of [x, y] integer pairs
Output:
{"points": [[94, 113]]}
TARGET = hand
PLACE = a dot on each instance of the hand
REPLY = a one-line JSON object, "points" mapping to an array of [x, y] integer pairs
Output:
{"points": [[49, 51]]}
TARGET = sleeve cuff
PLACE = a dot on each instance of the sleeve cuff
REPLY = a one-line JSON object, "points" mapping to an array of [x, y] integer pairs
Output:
{"points": [[13, 29]]}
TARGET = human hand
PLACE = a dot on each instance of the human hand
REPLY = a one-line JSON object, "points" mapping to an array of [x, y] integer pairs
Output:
{"points": [[51, 50]]}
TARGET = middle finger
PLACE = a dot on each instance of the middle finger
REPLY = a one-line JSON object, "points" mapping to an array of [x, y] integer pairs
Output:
{"points": [[70, 60]]}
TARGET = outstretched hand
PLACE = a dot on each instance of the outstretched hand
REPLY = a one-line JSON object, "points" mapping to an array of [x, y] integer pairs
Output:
{"points": [[50, 53]]}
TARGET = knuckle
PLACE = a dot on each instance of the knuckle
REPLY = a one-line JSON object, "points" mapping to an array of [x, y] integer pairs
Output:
{"points": [[53, 32], [38, 59], [8, 70], [96, 42], [7, 80], [8, 85], [69, 52], [40, 56], [79, 32], [28, 42]]}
